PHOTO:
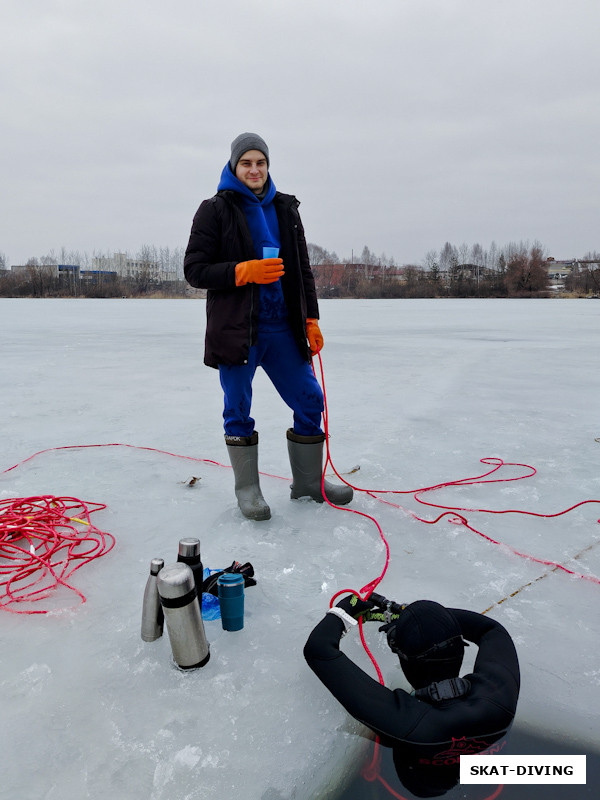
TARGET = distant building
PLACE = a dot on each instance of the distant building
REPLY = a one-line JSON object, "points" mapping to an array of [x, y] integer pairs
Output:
{"points": [[51, 270], [334, 277], [69, 271], [60, 271], [97, 276], [328, 276], [126, 267], [558, 272]]}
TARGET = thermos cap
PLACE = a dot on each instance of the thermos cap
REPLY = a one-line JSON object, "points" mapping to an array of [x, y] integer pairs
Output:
{"points": [[175, 581], [230, 579], [156, 565], [189, 547]]}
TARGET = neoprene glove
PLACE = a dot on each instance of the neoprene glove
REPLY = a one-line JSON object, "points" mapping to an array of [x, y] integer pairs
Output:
{"points": [[355, 607], [264, 270], [314, 336]]}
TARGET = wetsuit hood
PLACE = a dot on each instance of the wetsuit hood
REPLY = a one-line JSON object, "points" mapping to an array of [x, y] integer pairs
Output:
{"points": [[427, 639]]}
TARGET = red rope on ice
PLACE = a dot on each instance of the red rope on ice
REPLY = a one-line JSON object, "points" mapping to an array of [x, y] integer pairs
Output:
{"points": [[454, 518], [450, 511], [131, 447], [114, 444], [43, 541]]}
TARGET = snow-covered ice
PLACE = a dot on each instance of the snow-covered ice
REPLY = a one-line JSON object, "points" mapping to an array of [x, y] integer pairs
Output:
{"points": [[419, 391]]}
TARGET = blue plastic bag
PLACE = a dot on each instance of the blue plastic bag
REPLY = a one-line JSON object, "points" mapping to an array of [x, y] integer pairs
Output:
{"points": [[210, 604]]}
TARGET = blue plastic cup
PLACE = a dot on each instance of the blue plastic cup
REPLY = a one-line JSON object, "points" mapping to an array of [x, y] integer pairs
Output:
{"points": [[230, 586], [270, 252]]}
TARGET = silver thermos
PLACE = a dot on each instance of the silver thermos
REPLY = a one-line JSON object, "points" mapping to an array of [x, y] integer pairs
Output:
{"points": [[152, 613], [181, 606]]}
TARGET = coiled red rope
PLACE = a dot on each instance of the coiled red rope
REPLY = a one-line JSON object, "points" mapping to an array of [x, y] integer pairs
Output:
{"points": [[44, 540]]}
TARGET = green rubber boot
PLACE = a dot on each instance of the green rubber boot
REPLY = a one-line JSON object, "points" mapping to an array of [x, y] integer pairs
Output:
{"points": [[306, 460], [243, 454]]}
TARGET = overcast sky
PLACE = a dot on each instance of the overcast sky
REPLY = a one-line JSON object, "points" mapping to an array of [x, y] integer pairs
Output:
{"points": [[399, 124]]}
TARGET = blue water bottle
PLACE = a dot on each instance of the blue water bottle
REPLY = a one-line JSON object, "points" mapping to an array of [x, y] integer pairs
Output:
{"points": [[230, 586]]}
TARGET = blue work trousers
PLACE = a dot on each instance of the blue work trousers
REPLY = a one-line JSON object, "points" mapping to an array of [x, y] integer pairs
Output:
{"points": [[277, 353]]}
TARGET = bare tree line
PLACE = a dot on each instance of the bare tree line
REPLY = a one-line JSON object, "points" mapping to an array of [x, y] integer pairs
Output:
{"points": [[518, 269], [158, 271]]}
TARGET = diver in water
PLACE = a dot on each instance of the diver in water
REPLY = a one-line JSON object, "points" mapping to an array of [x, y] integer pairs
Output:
{"points": [[446, 715]]}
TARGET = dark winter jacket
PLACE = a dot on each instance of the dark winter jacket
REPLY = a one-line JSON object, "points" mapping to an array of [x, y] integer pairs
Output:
{"points": [[219, 240]]}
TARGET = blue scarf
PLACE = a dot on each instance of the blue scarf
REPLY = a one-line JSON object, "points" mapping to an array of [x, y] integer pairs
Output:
{"points": [[264, 229], [261, 215]]}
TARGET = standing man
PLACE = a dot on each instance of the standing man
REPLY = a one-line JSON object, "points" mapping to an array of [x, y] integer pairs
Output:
{"points": [[446, 716], [261, 311]]}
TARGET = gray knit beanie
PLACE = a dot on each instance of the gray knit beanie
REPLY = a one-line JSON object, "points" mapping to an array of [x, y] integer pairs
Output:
{"points": [[244, 142]]}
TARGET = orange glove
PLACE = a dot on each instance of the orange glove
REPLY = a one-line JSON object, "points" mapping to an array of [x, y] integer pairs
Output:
{"points": [[265, 270], [314, 336]]}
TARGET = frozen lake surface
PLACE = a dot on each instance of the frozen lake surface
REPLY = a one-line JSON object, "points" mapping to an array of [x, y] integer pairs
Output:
{"points": [[419, 392]]}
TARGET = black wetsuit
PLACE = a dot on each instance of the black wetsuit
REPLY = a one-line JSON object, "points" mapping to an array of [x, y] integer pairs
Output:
{"points": [[434, 733]]}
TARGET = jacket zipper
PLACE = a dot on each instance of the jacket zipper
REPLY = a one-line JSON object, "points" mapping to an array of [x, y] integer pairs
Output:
{"points": [[250, 323], [243, 223]]}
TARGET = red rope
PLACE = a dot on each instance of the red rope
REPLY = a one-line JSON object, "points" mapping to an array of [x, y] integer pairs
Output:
{"points": [[43, 541], [449, 511]]}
